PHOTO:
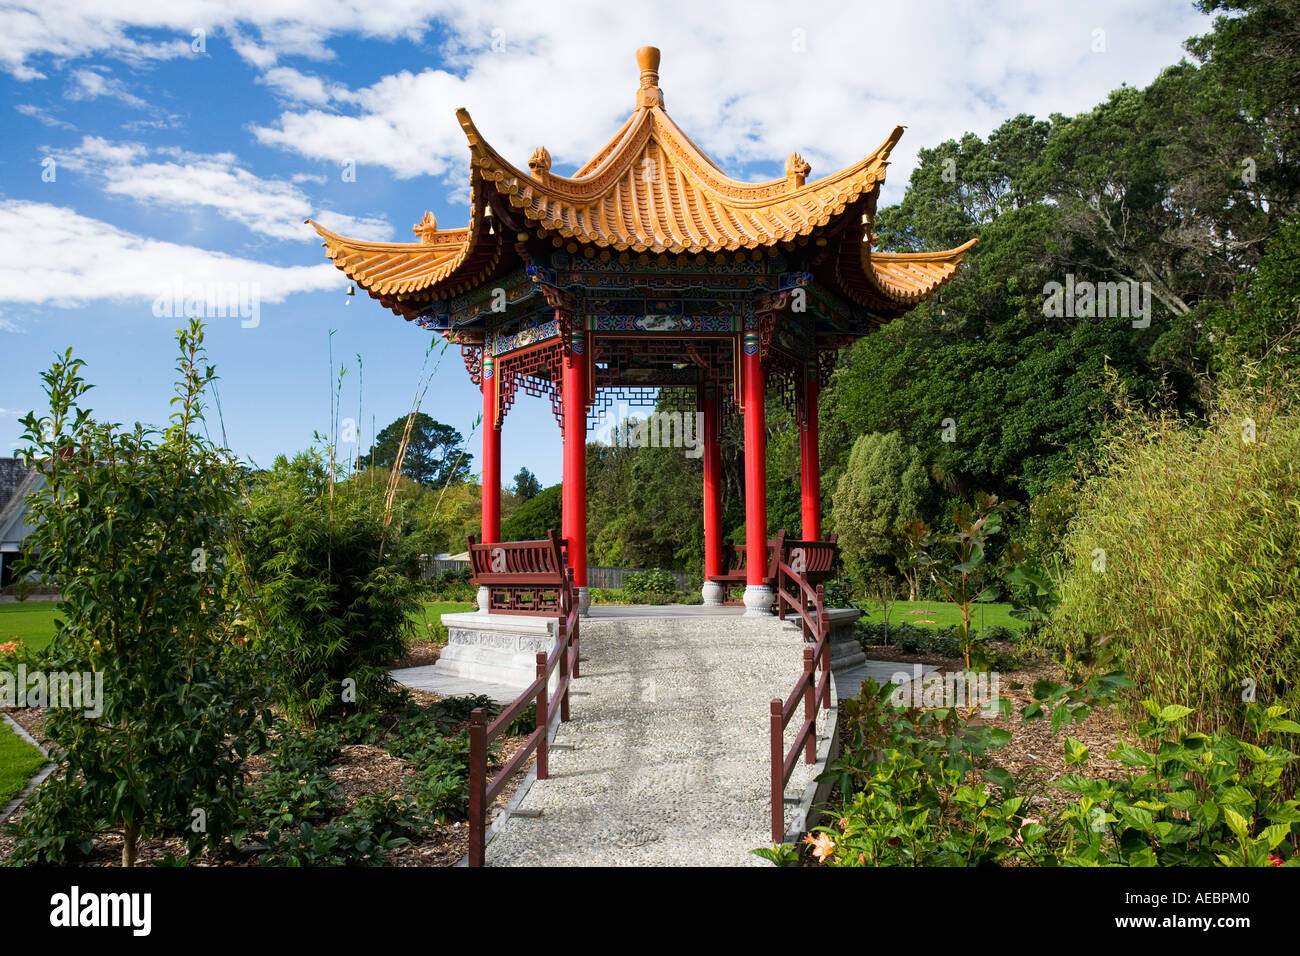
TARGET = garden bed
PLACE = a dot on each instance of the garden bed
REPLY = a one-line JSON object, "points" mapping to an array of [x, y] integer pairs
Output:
{"points": [[359, 771]]}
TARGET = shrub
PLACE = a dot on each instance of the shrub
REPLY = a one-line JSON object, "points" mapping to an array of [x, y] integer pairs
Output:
{"points": [[920, 788], [330, 588], [1185, 556], [135, 525], [655, 586]]}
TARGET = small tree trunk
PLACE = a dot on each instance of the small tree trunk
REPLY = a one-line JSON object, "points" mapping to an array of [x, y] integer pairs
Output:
{"points": [[129, 835]]}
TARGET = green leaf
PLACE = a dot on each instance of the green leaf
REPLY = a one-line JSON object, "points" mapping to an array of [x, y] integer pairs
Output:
{"points": [[1075, 752]]}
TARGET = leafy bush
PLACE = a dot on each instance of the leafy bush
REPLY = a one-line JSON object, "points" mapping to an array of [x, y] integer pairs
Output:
{"points": [[655, 586], [920, 788], [135, 525], [1185, 556], [330, 588], [534, 517]]}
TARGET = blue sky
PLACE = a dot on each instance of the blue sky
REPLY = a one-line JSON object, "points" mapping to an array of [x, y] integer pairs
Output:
{"points": [[147, 144]]}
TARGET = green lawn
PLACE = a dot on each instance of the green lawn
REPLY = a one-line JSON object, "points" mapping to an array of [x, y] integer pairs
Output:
{"points": [[19, 762], [940, 614], [31, 622], [428, 623]]}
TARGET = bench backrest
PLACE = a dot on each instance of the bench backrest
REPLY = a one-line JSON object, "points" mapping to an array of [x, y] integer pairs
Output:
{"points": [[815, 559], [523, 577], [735, 558]]}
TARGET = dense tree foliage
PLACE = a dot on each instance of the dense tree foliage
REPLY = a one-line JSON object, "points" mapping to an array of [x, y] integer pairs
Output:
{"points": [[434, 455], [1189, 186], [526, 485]]}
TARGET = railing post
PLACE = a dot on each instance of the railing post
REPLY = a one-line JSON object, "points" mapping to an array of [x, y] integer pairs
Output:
{"points": [[542, 715], [564, 673], [477, 785], [778, 773], [824, 635], [780, 592], [573, 597], [810, 704]]}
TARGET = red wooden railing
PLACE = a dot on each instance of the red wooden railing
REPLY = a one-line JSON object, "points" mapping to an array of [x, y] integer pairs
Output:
{"points": [[810, 604], [564, 654]]}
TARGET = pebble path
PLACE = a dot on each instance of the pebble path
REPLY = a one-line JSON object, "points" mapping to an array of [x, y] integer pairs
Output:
{"points": [[665, 759]]}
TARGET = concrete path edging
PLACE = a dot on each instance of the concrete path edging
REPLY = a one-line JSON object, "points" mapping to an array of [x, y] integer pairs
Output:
{"points": [[13, 805]]}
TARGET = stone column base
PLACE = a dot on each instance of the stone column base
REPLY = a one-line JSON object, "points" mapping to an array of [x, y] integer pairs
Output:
{"points": [[758, 600], [482, 599], [714, 594], [584, 600]]}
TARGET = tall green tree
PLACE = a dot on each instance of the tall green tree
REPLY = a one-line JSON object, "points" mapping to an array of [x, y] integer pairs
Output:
{"points": [[435, 453], [136, 528], [526, 485], [883, 488]]}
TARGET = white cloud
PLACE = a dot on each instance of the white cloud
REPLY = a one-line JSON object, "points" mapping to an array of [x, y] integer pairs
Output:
{"points": [[828, 80], [749, 82], [52, 256], [178, 179], [357, 227], [92, 84], [301, 87], [42, 116], [137, 31]]}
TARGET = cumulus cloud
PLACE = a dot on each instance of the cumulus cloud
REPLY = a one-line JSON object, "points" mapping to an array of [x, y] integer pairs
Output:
{"points": [[138, 31], [826, 79], [53, 256], [178, 179], [750, 82]]}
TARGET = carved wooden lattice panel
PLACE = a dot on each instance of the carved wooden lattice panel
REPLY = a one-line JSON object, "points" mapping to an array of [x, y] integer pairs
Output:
{"points": [[539, 372]]}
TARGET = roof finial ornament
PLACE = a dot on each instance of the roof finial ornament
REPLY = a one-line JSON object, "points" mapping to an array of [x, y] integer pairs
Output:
{"points": [[540, 162], [649, 94], [796, 170], [425, 228]]}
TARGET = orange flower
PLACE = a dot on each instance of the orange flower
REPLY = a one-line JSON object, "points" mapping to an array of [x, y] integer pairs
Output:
{"points": [[844, 823], [11, 647], [823, 846]]}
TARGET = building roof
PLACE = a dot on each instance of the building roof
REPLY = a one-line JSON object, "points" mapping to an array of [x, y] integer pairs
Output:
{"points": [[648, 189], [17, 481]]}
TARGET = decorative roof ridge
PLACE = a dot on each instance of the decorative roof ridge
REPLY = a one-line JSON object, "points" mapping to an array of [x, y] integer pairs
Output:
{"points": [[942, 255], [600, 177], [443, 237]]}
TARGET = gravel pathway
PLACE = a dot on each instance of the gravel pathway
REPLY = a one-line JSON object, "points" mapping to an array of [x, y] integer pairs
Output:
{"points": [[665, 760]]}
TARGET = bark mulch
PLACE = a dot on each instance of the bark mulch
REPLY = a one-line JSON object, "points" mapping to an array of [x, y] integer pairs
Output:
{"points": [[1034, 754]]}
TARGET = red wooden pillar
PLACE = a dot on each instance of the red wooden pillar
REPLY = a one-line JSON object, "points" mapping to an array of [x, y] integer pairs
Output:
{"points": [[758, 596], [809, 466], [714, 594], [574, 394], [491, 506]]}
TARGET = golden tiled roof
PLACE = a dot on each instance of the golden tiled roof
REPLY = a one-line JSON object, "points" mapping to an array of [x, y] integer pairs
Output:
{"points": [[649, 189], [909, 277]]}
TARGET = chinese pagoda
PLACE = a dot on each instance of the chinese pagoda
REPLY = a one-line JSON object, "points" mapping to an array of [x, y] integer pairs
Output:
{"points": [[646, 268]]}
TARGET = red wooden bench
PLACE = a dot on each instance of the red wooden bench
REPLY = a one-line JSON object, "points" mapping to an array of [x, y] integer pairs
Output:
{"points": [[524, 577], [816, 559], [735, 563]]}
